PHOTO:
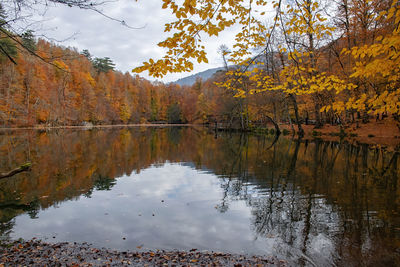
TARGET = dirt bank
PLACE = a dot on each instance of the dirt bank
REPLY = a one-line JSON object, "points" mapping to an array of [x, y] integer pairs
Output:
{"points": [[384, 133]]}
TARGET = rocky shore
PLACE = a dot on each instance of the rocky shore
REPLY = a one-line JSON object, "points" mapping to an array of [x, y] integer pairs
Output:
{"points": [[38, 253]]}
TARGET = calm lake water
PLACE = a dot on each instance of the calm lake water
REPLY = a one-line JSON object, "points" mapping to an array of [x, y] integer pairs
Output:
{"points": [[313, 203]]}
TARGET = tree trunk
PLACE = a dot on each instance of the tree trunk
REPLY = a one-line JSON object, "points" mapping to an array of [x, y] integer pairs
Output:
{"points": [[22, 168], [296, 112], [277, 130], [317, 115], [288, 116], [241, 115]]}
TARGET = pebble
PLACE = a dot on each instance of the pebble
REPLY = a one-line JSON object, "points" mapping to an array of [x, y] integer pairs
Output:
{"points": [[38, 253]]}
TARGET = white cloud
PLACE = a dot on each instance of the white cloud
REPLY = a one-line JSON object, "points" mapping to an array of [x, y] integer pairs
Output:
{"points": [[127, 47]]}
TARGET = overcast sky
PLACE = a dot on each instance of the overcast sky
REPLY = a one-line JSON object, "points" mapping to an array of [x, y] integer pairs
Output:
{"points": [[127, 47]]}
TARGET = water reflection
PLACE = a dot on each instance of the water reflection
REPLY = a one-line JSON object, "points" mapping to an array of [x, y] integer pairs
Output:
{"points": [[313, 203]]}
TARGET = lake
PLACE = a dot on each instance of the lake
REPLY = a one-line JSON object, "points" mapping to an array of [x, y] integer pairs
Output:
{"points": [[312, 203]]}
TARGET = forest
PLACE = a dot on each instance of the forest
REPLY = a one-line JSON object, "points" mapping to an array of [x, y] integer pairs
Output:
{"points": [[94, 157], [308, 68]]}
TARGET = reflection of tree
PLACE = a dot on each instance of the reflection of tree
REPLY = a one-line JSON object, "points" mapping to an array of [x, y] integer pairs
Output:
{"points": [[9, 210], [236, 169], [296, 189], [11, 204], [277, 212], [101, 183], [33, 210], [174, 135], [294, 203], [6, 229], [104, 183]]}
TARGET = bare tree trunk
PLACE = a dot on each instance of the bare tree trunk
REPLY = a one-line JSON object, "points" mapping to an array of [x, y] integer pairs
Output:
{"points": [[289, 119], [277, 130], [275, 111], [241, 115], [296, 112], [317, 108]]}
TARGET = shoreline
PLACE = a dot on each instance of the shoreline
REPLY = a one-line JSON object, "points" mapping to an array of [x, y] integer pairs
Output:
{"points": [[96, 126], [38, 253], [381, 134]]}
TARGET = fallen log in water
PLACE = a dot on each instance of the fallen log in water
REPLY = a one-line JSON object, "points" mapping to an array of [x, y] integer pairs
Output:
{"points": [[22, 168]]}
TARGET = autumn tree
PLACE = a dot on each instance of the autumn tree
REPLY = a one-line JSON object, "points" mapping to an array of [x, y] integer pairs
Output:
{"points": [[306, 67], [377, 63]]}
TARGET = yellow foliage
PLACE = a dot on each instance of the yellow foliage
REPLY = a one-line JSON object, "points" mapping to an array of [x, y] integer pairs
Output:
{"points": [[379, 63], [376, 63], [124, 113], [210, 17], [61, 65]]}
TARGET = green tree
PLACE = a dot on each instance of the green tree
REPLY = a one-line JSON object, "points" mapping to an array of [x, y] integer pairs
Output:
{"points": [[103, 64], [8, 49], [87, 54], [28, 41], [154, 109], [174, 113]]}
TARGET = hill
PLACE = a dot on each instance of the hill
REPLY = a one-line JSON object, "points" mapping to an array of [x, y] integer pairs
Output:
{"points": [[204, 75]]}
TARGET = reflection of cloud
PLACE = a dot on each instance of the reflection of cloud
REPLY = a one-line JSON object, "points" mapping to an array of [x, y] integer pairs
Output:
{"points": [[186, 219], [183, 202], [321, 244]]}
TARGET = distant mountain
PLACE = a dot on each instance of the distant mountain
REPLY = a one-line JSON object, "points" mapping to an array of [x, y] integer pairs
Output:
{"points": [[204, 75]]}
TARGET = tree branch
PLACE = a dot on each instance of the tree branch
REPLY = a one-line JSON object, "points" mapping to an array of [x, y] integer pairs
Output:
{"points": [[22, 168], [8, 55]]}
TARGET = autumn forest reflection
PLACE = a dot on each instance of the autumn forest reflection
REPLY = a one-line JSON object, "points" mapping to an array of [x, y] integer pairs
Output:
{"points": [[311, 202]]}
